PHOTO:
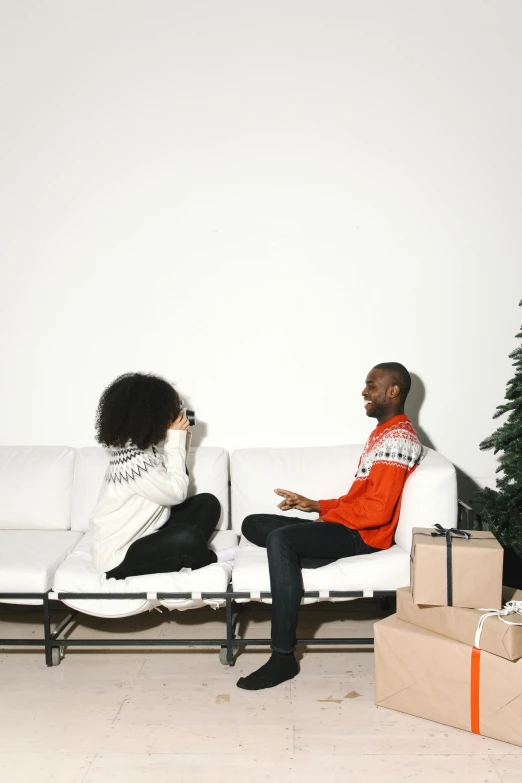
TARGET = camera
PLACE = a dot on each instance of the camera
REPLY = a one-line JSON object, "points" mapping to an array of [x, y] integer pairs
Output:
{"points": [[191, 416]]}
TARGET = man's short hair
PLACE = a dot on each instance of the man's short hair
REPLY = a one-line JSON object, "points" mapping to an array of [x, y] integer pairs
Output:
{"points": [[399, 376]]}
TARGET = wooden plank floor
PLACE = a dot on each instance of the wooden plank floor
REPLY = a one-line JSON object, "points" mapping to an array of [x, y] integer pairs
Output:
{"points": [[153, 715]]}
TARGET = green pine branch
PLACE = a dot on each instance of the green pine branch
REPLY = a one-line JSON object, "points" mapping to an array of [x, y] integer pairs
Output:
{"points": [[501, 508]]}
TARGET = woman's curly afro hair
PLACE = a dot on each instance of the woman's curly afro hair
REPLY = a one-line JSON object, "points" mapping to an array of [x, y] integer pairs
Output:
{"points": [[137, 408]]}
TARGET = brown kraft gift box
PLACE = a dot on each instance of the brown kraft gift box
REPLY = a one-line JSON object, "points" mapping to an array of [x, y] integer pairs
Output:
{"points": [[450, 569], [433, 677], [497, 637]]}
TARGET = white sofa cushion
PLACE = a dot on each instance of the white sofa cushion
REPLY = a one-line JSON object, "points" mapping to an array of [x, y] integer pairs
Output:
{"points": [[379, 571], [78, 575], [430, 496], [36, 487], [317, 472], [208, 469], [29, 559]]}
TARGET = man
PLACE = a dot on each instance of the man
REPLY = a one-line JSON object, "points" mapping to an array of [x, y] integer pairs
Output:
{"points": [[360, 522]]}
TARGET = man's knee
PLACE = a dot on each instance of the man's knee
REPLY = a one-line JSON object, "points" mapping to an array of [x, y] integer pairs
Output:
{"points": [[249, 527]]}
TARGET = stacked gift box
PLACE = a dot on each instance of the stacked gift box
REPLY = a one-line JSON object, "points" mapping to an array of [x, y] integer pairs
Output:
{"points": [[453, 651]]}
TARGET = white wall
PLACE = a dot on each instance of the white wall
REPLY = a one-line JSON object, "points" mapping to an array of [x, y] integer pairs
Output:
{"points": [[260, 200]]}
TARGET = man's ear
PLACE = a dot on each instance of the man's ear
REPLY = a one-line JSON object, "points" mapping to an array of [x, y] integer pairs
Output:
{"points": [[395, 391]]}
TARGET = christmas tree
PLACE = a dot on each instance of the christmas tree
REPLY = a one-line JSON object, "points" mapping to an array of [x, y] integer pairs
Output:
{"points": [[501, 509]]}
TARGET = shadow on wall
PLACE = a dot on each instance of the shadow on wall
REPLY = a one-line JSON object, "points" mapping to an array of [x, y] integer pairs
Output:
{"points": [[413, 406], [466, 485], [467, 488], [199, 433]]}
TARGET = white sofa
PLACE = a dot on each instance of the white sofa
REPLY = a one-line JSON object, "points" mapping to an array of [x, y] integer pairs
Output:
{"points": [[47, 494]]}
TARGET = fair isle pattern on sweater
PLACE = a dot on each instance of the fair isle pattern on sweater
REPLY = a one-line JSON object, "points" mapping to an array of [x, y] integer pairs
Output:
{"points": [[129, 462], [396, 445]]}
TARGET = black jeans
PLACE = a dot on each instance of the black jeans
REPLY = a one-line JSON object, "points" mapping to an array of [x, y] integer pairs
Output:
{"points": [[180, 543], [292, 544]]}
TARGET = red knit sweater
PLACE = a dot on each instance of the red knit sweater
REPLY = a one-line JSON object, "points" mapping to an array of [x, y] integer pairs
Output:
{"points": [[373, 502]]}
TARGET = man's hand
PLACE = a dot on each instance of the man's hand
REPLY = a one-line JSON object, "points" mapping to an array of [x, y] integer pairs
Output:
{"points": [[293, 500]]}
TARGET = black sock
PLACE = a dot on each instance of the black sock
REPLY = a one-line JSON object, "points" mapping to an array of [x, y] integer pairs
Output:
{"points": [[279, 668]]}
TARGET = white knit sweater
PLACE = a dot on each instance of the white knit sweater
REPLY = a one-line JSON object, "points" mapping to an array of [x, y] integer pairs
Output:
{"points": [[139, 488]]}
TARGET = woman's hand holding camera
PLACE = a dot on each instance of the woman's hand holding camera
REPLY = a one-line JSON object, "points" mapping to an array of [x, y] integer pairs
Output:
{"points": [[293, 500], [180, 423]]}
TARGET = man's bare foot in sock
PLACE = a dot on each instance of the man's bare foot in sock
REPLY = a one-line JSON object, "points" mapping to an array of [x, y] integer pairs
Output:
{"points": [[279, 668]]}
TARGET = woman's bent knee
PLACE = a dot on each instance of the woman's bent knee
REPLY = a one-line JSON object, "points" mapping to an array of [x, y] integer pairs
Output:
{"points": [[206, 503], [206, 497], [182, 534]]}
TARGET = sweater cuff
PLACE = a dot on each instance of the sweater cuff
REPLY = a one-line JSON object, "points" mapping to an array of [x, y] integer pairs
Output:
{"points": [[176, 439], [326, 505]]}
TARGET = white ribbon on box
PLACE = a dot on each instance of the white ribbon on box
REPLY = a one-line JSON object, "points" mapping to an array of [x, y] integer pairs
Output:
{"points": [[511, 607]]}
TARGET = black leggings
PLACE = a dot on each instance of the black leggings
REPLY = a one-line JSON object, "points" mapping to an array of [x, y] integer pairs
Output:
{"points": [[293, 543], [180, 543]]}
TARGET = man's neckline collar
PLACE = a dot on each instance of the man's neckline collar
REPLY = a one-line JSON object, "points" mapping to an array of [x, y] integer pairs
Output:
{"points": [[394, 420]]}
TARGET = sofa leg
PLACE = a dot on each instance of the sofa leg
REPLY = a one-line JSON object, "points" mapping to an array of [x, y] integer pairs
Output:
{"points": [[47, 630], [228, 652], [57, 654], [227, 655], [387, 604]]}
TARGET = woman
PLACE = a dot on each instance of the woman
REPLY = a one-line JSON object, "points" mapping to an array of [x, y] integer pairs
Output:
{"points": [[143, 522]]}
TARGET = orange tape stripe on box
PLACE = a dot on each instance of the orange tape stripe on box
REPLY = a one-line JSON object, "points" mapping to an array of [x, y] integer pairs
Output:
{"points": [[475, 690]]}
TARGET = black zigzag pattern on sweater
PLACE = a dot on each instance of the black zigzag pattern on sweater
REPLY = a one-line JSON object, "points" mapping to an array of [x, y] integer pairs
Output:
{"points": [[129, 462]]}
